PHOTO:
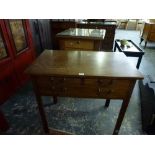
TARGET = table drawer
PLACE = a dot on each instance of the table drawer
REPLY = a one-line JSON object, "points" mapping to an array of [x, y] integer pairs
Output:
{"points": [[116, 90], [79, 44], [83, 87], [46, 85], [97, 88]]}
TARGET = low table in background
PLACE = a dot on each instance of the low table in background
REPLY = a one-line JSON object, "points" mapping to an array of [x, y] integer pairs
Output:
{"points": [[132, 51]]}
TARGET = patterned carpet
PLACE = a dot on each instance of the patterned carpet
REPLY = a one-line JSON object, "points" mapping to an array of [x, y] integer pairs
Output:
{"points": [[75, 115]]}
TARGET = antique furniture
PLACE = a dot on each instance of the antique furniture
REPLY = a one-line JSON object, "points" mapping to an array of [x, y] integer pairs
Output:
{"points": [[148, 33], [109, 25], [81, 39], [16, 53], [83, 74], [59, 26], [132, 50]]}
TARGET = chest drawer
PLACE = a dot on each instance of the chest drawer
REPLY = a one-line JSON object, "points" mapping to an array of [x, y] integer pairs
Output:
{"points": [[152, 36], [152, 28], [83, 87], [79, 44]]}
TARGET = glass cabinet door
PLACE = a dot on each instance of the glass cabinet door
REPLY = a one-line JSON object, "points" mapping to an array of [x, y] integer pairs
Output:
{"points": [[3, 50], [18, 32]]}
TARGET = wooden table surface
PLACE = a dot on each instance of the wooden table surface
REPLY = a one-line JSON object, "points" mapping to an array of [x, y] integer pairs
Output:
{"points": [[92, 64]]}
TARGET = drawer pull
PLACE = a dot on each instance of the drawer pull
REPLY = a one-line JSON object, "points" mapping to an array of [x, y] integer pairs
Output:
{"points": [[103, 82], [62, 80], [99, 90], [78, 42], [107, 92]]}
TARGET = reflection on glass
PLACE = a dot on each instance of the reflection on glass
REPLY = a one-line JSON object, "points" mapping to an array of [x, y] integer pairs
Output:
{"points": [[3, 52], [18, 34]]}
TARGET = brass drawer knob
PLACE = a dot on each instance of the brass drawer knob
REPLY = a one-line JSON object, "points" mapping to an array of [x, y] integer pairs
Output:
{"points": [[105, 83]]}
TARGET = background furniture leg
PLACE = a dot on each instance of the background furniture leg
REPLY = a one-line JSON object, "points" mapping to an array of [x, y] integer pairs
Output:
{"points": [[55, 100], [145, 44], [139, 61], [107, 103], [141, 39], [115, 47]]}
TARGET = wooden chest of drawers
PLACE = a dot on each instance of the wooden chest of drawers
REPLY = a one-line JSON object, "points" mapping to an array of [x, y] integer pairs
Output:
{"points": [[70, 44], [81, 39]]}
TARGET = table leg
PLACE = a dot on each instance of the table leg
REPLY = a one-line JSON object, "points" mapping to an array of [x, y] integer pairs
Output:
{"points": [[121, 116], [115, 47], [123, 108], [107, 103], [139, 61], [145, 44], [55, 99], [42, 113], [141, 39]]}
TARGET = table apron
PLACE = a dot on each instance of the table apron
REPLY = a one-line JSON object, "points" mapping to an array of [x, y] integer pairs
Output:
{"points": [[83, 88]]}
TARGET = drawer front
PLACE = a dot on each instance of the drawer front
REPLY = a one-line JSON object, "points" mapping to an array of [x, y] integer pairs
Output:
{"points": [[83, 87], [152, 37], [97, 88], [117, 89], [79, 44], [152, 28], [48, 85]]}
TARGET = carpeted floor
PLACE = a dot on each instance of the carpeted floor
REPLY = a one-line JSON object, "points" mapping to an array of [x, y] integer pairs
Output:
{"points": [[80, 116]]}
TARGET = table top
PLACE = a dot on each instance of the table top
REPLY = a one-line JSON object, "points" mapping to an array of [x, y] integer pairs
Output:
{"points": [[96, 34], [83, 63], [133, 47]]}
